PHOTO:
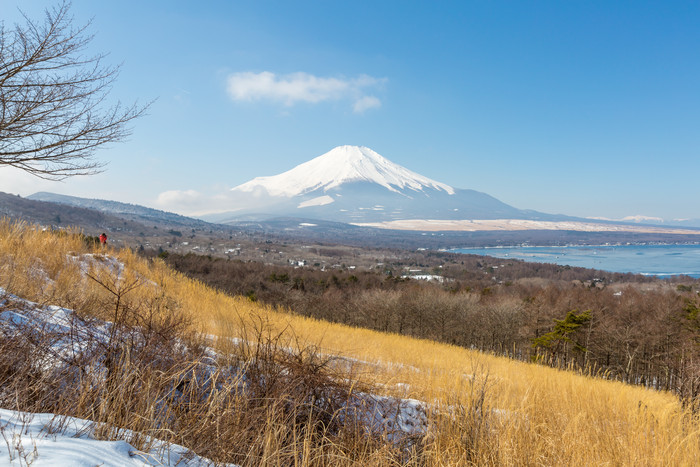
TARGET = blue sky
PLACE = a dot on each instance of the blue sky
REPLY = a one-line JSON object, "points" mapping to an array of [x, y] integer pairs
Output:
{"points": [[578, 107]]}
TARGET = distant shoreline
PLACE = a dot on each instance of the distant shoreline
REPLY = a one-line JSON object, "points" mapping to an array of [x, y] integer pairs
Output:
{"points": [[573, 245], [650, 259]]}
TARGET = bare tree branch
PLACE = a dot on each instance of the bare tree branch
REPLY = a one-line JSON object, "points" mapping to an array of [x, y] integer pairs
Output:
{"points": [[53, 115]]}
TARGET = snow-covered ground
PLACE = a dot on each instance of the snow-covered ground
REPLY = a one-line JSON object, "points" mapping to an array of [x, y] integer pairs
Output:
{"points": [[34, 439], [46, 440], [51, 440], [424, 277], [319, 201]]}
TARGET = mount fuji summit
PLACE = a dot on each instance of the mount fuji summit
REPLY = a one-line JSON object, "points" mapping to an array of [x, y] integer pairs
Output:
{"points": [[354, 184]]}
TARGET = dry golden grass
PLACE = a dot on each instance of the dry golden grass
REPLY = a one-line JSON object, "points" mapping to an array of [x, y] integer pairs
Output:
{"points": [[488, 410]]}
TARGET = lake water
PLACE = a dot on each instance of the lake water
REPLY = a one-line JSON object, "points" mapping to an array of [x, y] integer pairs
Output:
{"points": [[654, 260]]}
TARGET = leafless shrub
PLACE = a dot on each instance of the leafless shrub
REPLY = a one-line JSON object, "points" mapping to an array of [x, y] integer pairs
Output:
{"points": [[264, 398], [53, 99]]}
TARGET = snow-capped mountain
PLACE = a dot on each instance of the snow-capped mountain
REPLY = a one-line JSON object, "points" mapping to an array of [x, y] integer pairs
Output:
{"points": [[355, 184], [344, 164]]}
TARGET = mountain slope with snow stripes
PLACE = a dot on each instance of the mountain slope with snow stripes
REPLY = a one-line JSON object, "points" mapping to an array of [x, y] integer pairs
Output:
{"points": [[343, 164]]}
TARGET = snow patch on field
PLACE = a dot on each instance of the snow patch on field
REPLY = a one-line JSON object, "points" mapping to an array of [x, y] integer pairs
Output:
{"points": [[56, 441], [397, 419], [319, 201], [425, 277], [90, 262]]}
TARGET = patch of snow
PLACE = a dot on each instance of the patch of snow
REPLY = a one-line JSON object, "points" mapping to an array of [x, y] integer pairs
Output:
{"points": [[71, 333], [425, 277], [90, 262], [392, 417], [52, 440], [319, 201]]}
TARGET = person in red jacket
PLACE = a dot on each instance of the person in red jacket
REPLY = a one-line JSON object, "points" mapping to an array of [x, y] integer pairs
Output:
{"points": [[103, 239]]}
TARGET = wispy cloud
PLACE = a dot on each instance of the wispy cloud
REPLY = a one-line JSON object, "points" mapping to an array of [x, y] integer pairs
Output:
{"points": [[303, 87], [366, 103]]}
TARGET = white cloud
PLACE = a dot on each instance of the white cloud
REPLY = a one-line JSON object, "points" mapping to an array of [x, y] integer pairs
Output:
{"points": [[195, 203], [302, 87], [366, 103], [183, 200], [214, 200]]}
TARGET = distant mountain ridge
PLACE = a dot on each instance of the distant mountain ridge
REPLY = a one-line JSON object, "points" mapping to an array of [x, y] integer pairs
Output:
{"points": [[131, 211], [61, 215], [92, 222], [352, 185]]}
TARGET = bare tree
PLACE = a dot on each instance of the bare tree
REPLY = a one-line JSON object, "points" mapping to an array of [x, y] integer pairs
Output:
{"points": [[54, 113]]}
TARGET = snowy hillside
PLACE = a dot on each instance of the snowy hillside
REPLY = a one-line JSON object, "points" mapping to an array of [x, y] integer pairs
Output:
{"points": [[343, 164], [76, 355]]}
